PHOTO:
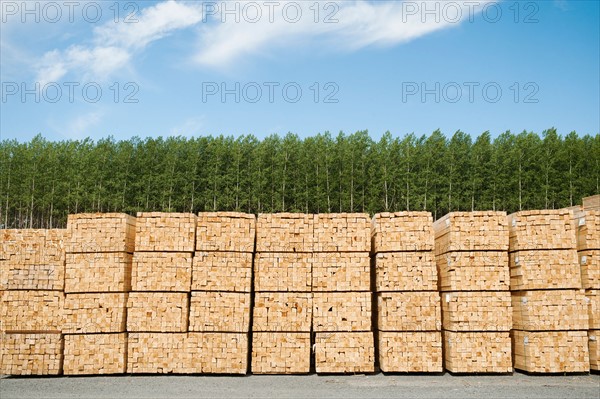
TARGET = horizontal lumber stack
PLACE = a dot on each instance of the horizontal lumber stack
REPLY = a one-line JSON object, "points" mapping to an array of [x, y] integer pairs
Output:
{"points": [[409, 319], [588, 247], [220, 305], [283, 301], [550, 317], [342, 299], [472, 260], [32, 272], [159, 302], [98, 279]]}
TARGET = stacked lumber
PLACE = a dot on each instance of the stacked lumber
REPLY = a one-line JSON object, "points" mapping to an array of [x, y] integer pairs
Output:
{"points": [[473, 270], [32, 272], [591, 203], [550, 316], [157, 312], [165, 232], [551, 351], [95, 353], [97, 281], [32, 259], [31, 353], [283, 300], [220, 302], [342, 298], [588, 250], [408, 304], [161, 271]]}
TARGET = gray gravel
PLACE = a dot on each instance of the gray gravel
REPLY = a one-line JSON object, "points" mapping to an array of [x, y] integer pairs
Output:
{"points": [[312, 386]]}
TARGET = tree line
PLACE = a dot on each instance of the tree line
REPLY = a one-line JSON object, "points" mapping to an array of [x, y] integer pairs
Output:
{"points": [[42, 181]]}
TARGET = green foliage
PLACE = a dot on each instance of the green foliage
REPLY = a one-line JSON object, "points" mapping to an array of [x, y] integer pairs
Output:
{"points": [[41, 182]]}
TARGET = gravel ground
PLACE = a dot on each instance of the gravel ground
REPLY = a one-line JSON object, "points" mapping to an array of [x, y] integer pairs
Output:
{"points": [[311, 386]]}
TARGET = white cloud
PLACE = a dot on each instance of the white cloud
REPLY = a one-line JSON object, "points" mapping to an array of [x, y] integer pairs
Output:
{"points": [[190, 127], [359, 24], [114, 43]]}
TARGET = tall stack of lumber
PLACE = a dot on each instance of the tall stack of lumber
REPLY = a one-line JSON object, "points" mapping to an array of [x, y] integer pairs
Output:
{"points": [[282, 313], [472, 260], [409, 319], [588, 246], [342, 299], [221, 289], [550, 315], [97, 282], [32, 271], [161, 278]]}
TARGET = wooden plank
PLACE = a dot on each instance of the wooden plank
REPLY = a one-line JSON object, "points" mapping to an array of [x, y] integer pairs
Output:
{"points": [[405, 271], [157, 312], [31, 311], [473, 271], [410, 352], [402, 232], [280, 271], [542, 229], [588, 230], [344, 352], [342, 232], [219, 353], [280, 352], [282, 312], [544, 269], [225, 232], [284, 232], [222, 271], [551, 351], [477, 352], [220, 312], [476, 311], [593, 302], [98, 272], [550, 310], [341, 311], [165, 232], [342, 271], [592, 203], [471, 231], [95, 313], [100, 232], [409, 311], [32, 259], [161, 271], [594, 349], [31, 354], [590, 268], [95, 354]]}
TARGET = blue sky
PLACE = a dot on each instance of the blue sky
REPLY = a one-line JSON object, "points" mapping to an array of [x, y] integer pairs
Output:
{"points": [[190, 68]]}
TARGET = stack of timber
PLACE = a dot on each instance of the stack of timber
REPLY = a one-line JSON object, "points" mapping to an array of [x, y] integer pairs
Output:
{"points": [[588, 250], [342, 298], [221, 297], [472, 260], [32, 270], [161, 279], [550, 315], [283, 301], [98, 279], [409, 320]]}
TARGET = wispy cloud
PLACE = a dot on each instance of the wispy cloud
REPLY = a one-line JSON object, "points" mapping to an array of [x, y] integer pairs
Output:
{"points": [[190, 127], [357, 24], [113, 45]]}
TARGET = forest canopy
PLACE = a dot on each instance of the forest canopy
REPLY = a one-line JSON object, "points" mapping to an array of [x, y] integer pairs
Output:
{"points": [[42, 181]]}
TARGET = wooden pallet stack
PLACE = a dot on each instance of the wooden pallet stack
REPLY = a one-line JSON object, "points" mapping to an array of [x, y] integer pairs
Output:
{"points": [[221, 290], [161, 278], [588, 246], [550, 316], [282, 312], [342, 299], [97, 282], [32, 270], [472, 260], [409, 320]]}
